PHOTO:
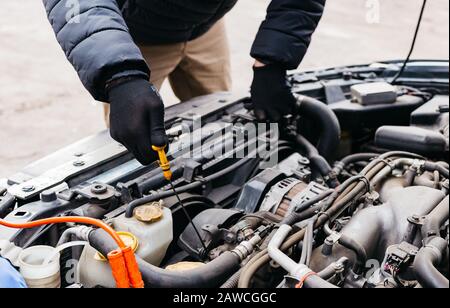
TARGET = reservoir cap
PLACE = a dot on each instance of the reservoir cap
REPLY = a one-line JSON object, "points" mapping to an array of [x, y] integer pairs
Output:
{"points": [[149, 213]]}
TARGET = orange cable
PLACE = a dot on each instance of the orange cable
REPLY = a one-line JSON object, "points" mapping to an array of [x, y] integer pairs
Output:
{"points": [[73, 219]]}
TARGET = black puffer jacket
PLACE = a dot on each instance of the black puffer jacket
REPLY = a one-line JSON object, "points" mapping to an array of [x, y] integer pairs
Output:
{"points": [[98, 36]]}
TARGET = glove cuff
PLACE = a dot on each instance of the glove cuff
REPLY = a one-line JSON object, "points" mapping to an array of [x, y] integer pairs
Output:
{"points": [[112, 84], [273, 71]]}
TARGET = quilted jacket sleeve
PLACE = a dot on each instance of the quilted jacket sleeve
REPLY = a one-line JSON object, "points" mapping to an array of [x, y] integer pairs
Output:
{"points": [[285, 35], [95, 39]]}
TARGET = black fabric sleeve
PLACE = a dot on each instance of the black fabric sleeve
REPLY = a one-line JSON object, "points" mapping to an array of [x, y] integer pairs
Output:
{"points": [[285, 35], [95, 39]]}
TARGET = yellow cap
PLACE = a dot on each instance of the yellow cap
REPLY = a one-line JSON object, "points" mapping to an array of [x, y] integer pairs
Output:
{"points": [[129, 240], [149, 213]]}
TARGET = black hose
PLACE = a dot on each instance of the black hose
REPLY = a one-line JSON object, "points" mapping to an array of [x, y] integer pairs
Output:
{"points": [[433, 222], [430, 166], [349, 243], [295, 217], [359, 250], [328, 123], [210, 275], [317, 160], [306, 210], [344, 162], [358, 157], [425, 264], [169, 193]]}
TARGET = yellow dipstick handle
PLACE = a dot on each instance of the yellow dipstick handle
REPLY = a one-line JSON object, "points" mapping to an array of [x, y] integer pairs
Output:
{"points": [[163, 162]]}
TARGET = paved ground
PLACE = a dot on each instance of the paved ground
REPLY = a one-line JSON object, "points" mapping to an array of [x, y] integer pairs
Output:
{"points": [[44, 107]]}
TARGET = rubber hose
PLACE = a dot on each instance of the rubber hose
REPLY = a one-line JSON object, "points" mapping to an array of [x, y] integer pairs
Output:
{"points": [[430, 166], [328, 123], [433, 222], [340, 165], [425, 264], [317, 159], [360, 251], [297, 215], [210, 275]]}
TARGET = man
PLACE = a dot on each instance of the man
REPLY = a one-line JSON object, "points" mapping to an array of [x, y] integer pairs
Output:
{"points": [[183, 40]]}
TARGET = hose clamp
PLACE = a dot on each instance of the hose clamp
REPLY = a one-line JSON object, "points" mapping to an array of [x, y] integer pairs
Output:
{"points": [[418, 165], [388, 163], [302, 273], [366, 181], [334, 238]]}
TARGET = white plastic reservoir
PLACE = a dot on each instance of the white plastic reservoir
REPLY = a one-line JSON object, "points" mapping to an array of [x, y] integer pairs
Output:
{"points": [[153, 238], [39, 266]]}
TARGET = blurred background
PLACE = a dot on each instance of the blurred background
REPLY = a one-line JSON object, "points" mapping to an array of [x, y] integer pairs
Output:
{"points": [[43, 105]]}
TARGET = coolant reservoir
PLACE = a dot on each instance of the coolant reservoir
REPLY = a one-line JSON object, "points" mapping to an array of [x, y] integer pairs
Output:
{"points": [[152, 225], [39, 266]]}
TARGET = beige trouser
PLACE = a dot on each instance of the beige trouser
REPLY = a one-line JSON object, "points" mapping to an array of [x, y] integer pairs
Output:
{"points": [[195, 68]]}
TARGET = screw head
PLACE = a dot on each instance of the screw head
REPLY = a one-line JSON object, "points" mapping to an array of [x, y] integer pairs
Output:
{"points": [[79, 163], [28, 188]]}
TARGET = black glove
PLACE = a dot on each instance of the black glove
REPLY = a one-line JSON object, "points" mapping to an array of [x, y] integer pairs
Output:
{"points": [[271, 95], [137, 118]]}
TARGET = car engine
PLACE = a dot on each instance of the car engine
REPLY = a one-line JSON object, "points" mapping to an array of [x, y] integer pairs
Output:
{"points": [[350, 191]]}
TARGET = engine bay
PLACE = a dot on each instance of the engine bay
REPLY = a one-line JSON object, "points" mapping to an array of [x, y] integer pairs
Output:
{"points": [[350, 191]]}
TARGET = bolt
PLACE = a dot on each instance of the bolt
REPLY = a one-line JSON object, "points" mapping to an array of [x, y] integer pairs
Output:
{"points": [[229, 238], [347, 75], [416, 217], [79, 163], [99, 189], [48, 196], [303, 161], [28, 188], [78, 154]]}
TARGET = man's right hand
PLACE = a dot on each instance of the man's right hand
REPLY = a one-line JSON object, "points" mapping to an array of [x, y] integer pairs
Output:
{"points": [[137, 118]]}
